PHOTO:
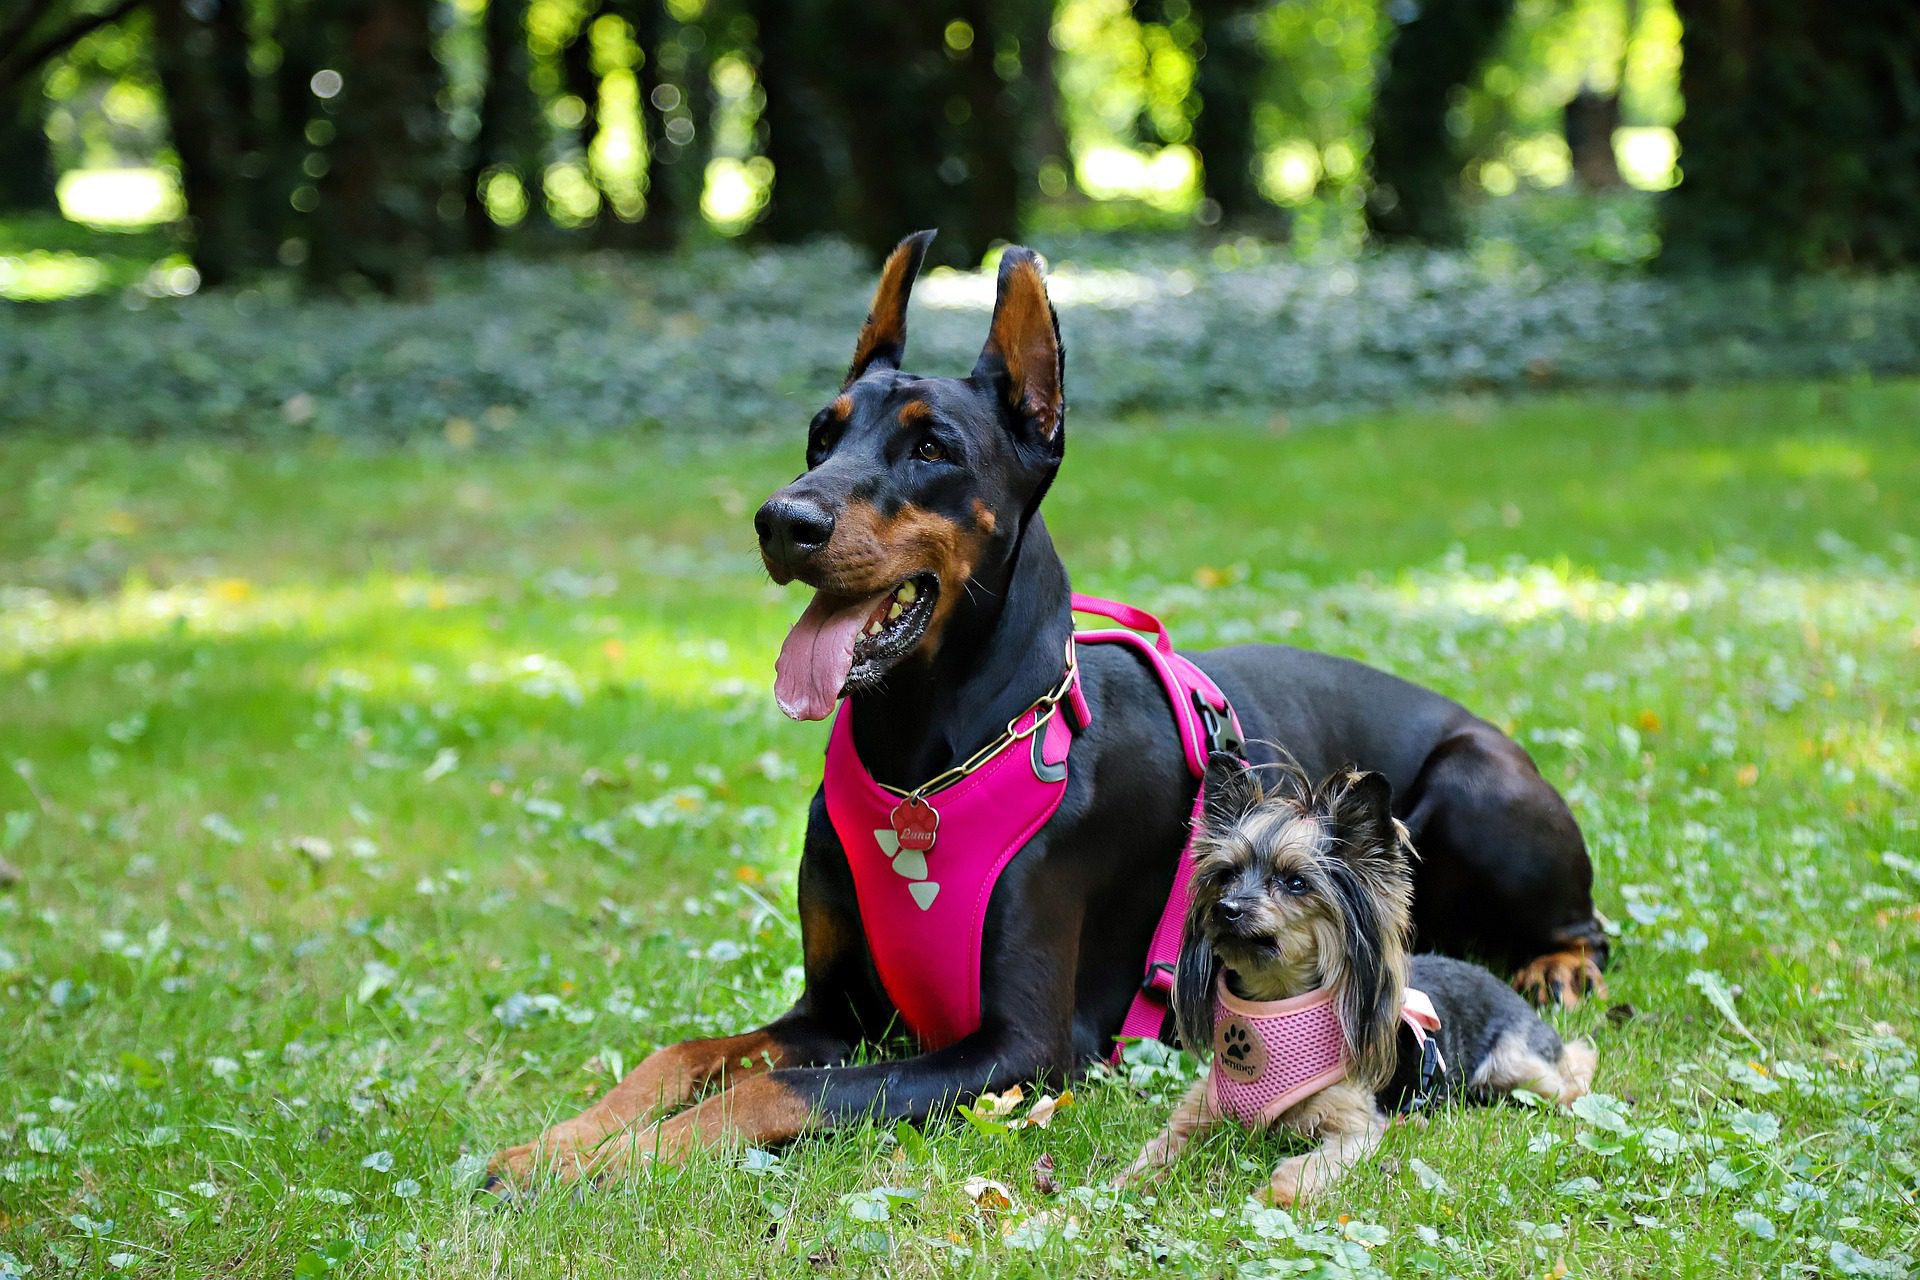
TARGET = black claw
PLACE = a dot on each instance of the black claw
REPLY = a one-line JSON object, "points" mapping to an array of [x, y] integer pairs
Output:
{"points": [[1556, 989]]}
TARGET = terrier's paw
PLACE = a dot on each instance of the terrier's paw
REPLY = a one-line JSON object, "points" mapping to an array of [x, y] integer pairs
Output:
{"points": [[1288, 1186], [1561, 977]]}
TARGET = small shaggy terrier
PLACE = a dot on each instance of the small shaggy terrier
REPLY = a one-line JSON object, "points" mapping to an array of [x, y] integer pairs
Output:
{"points": [[1295, 972]]}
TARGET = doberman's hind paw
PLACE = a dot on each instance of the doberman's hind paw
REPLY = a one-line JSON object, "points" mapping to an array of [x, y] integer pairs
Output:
{"points": [[1561, 977]]}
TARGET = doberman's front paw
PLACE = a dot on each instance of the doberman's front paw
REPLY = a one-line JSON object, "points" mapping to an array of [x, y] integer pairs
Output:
{"points": [[1561, 977], [566, 1159], [515, 1169]]}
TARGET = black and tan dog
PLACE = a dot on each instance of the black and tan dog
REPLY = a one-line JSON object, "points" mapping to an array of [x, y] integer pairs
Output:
{"points": [[924, 493]]}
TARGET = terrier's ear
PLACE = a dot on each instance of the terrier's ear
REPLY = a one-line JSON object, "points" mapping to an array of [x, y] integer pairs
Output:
{"points": [[1371, 890], [883, 339], [1023, 354], [1232, 790], [1363, 810], [1193, 992]]}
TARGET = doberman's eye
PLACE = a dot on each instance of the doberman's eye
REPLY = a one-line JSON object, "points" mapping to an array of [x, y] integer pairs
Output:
{"points": [[1295, 885], [930, 451], [820, 440]]}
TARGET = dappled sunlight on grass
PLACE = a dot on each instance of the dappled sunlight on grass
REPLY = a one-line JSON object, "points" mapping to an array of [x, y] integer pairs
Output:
{"points": [[360, 840], [1526, 593], [399, 634], [1817, 457]]}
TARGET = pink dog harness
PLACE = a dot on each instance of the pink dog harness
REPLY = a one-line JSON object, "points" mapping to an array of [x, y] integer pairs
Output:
{"points": [[1269, 1055], [924, 864]]}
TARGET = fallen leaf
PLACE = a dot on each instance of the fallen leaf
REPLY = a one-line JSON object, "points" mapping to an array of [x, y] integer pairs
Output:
{"points": [[993, 1105], [987, 1195], [1043, 1180], [1043, 1111]]}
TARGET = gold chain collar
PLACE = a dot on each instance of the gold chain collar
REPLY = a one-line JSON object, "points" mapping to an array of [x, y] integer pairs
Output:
{"points": [[1047, 705]]}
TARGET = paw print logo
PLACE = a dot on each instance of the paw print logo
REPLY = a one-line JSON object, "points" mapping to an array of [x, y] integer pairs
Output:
{"points": [[1241, 1054]]}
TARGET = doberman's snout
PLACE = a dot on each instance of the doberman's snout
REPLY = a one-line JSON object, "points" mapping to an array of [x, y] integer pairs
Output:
{"points": [[792, 531]]}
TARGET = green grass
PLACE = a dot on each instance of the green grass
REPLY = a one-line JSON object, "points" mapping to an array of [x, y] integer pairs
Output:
{"points": [[391, 802]]}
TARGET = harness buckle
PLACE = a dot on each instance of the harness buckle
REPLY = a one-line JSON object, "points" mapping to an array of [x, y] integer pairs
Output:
{"points": [[1153, 982], [1427, 1085], [1217, 724]]}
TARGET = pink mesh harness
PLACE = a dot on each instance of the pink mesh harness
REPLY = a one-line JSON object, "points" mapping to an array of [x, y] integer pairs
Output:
{"points": [[1269, 1055], [924, 910]]}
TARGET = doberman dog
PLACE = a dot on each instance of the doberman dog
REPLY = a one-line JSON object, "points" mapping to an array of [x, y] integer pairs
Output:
{"points": [[941, 612]]}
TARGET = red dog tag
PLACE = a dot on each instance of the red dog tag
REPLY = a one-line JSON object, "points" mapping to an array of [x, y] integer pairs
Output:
{"points": [[915, 821]]}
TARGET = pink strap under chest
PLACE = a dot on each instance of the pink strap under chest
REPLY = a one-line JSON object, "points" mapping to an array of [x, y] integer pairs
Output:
{"points": [[924, 913], [1271, 1055]]}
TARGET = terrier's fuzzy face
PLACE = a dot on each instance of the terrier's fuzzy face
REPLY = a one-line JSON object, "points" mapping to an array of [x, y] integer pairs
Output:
{"points": [[1264, 900], [1298, 886]]}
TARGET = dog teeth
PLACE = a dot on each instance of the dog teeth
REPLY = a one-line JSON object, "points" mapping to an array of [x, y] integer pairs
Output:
{"points": [[874, 630], [896, 611], [907, 594]]}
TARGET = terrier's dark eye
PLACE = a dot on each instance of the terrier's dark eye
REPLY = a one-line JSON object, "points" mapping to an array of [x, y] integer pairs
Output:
{"points": [[1295, 885], [930, 451]]}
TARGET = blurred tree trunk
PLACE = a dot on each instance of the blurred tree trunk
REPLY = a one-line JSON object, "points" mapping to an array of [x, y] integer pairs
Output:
{"points": [[793, 122], [992, 142], [505, 137], [1041, 104], [1416, 167], [900, 107], [1800, 146], [27, 178], [1226, 76], [377, 216], [582, 81], [203, 130], [1588, 121], [660, 224], [288, 102]]}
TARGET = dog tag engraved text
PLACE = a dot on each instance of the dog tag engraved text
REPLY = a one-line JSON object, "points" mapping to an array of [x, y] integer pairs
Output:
{"points": [[915, 822]]}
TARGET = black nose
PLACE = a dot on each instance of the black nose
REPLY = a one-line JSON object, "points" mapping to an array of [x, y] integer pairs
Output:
{"points": [[1228, 911], [792, 529]]}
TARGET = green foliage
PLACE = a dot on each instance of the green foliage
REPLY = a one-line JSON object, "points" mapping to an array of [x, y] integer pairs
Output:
{"points": [[1434, 50], [375, 806], [1800, 147], [721, 340]]}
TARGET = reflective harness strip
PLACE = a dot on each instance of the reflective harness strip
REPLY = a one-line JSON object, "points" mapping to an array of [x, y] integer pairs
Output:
{"points": [[924, 910]]}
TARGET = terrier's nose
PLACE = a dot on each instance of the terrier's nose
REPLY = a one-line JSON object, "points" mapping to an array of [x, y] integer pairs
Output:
{"points": [[1229, 911], [791, 530]]}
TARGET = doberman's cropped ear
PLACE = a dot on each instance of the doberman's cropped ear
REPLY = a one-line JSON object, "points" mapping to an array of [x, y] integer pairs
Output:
{"points": [[883, 339], [1023, 351]]}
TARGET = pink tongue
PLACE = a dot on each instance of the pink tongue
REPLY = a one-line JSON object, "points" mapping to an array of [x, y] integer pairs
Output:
{"points": [[817, 655]]}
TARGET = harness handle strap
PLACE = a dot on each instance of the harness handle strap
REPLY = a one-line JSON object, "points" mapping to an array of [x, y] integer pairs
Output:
{"points": [[1127, 616], [1207, 723]]}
